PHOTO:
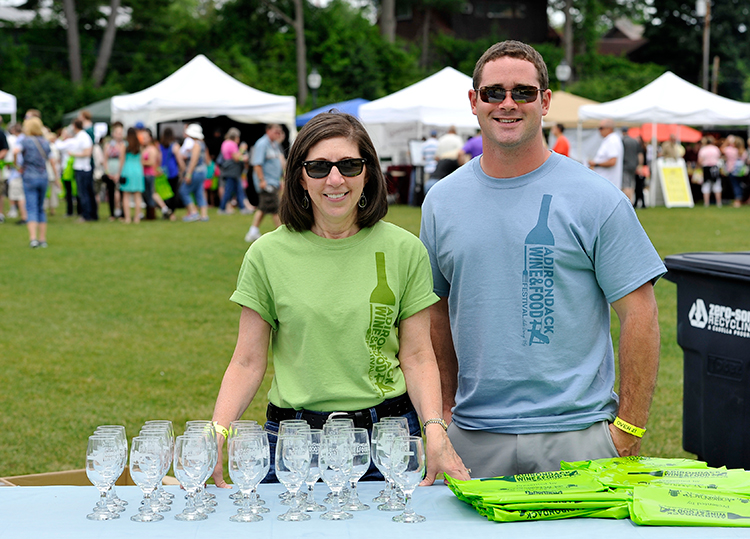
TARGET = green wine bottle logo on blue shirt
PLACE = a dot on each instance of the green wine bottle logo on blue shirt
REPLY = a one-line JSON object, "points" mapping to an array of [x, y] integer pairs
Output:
{"points": [[538, 289], [382, 312]]}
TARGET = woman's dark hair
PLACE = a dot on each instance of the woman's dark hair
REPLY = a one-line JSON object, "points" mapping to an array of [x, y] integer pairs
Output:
{"points": [[134, 146], [326, 126], [167, 137]]}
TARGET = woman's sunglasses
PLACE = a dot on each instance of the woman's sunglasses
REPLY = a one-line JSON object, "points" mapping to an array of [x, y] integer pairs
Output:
{"points": [[346, 167], [519, 94]]}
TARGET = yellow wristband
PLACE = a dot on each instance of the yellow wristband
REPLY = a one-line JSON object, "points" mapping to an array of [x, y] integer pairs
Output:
{"points": [[221, 430], [630, 429]]}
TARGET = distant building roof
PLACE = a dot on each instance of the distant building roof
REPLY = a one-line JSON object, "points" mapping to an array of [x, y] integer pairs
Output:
{"points": [[624, 37]]}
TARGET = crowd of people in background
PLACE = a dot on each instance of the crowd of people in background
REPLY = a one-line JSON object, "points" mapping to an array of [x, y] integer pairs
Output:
{"points": [[133, 174], [626, 162], [712, 164]]}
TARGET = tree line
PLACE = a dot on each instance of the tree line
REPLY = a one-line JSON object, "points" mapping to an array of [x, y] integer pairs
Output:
{"points": [[83, 53]]}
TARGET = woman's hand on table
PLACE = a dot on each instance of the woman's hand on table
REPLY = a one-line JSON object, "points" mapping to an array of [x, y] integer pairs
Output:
{"points": [[441, 457], [218, 474]]}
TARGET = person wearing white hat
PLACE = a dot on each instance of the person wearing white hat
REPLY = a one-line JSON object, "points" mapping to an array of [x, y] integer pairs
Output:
{"points": [[195, 174]]}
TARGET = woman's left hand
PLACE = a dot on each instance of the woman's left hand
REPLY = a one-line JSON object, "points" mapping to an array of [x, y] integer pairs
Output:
{"points": [[441, 457]]}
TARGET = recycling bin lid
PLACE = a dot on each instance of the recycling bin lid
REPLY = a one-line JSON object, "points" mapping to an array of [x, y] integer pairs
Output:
{"points": [[734, 265]]}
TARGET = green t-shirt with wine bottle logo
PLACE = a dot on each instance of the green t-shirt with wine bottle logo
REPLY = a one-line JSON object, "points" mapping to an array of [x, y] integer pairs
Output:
{"points": [[335, 308]]}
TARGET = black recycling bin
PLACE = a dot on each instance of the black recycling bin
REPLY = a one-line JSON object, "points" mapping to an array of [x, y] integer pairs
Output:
{"points": [[713, 330]]}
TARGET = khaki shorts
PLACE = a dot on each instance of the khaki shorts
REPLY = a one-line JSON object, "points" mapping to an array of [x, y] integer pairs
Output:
{"points": [[488, 454], [15, 189]]}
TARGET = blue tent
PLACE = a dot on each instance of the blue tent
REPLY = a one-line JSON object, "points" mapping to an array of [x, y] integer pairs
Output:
{"points": [[350, 107]]}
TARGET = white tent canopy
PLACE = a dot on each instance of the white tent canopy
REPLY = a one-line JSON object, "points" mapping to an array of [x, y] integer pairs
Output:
{"points": [[201, 89], [8, 105], [439, 101], [671, 100]]}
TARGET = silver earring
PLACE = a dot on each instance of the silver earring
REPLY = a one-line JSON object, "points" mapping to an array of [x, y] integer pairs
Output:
{"points": [[362, 201], [305, 202]]}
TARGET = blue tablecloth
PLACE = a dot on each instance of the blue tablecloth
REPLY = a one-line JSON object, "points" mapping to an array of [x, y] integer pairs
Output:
{"points": [[60, 512]]}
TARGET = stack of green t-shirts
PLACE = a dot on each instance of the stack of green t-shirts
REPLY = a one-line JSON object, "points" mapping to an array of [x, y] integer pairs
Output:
{"points": [[632, 463], [542, 496], [676, 492], [657, 505]]}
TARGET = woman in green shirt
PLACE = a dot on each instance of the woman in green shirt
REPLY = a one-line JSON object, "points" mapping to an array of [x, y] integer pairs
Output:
{"points": [[341, 297]]}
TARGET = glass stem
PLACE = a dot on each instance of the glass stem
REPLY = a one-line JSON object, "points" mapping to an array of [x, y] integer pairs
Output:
{"points": [[295, 507], [101, 505], [408, 509], [190, 501]]}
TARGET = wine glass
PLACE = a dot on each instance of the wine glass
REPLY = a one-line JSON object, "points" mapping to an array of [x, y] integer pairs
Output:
{"points": [[308, 503], [103, 460], [360, 465], [290, 426], [337, 424], [167, 424], [248, 458], [233, 426], [407, 458], [336, 468], [159, 500], [147, 455], [113, 501], [292, 466], [383, 436], [191, 460], [205, 501]]}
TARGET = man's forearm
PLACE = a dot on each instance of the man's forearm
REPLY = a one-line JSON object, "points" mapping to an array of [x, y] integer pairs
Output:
{"points": [[639, 357]]}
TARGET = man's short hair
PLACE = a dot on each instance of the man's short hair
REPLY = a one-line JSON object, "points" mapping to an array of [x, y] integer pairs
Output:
{"points": [[86, 115], [512, 49], [561, 128]]}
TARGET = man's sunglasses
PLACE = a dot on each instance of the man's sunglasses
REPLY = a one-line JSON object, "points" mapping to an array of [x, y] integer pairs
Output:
{"points": [[519, 94], [346, 167]]}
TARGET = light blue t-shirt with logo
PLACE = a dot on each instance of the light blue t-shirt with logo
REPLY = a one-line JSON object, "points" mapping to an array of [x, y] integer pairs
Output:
{"points": [[530, 266], [267, 154]]}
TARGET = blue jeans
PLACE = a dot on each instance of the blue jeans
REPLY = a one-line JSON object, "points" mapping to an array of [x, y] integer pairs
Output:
{"points": [[195, 188], [232, 186], [148, 190], [35, 189], [85, 182], [736, 186], [373, 474]]}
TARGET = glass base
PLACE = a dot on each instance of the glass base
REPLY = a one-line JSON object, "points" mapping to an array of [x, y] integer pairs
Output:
{"points": [[336, 515], [313, 507], [391, 505], [295, 516], [355, 506], [410, 518], [102, 515], [189, 517], [245, 516], [381, 497], [147, 517]]}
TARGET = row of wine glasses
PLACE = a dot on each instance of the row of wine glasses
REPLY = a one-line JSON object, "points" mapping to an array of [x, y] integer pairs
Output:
{"points": [[341, 457], [338, 453]]}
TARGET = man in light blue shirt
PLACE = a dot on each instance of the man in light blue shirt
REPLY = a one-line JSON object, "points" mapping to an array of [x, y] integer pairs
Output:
{"points": [[268, 167], [528, 250]]}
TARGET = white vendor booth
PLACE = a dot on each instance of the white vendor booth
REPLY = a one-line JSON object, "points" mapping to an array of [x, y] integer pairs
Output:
{"points": [[201, 89]]}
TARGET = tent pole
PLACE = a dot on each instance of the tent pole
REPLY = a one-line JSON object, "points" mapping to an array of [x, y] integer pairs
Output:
{"points": [[651, 190], [579, 142]]}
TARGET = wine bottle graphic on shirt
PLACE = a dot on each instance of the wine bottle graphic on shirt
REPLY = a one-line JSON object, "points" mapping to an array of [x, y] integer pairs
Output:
{"points": [[538, 289], [382, 312]]}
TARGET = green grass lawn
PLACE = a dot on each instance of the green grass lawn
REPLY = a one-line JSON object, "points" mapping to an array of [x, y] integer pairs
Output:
{"points": [[120, 324]]}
